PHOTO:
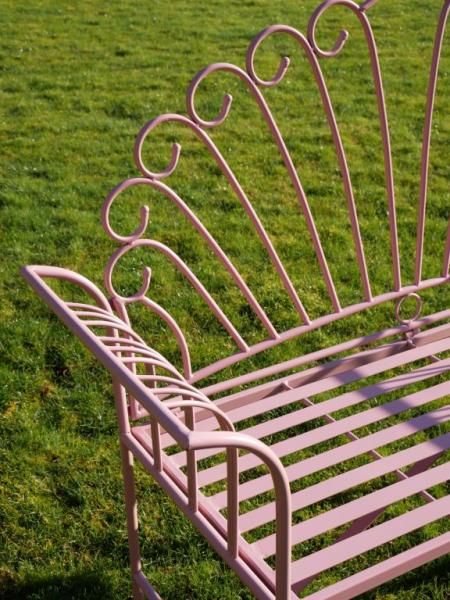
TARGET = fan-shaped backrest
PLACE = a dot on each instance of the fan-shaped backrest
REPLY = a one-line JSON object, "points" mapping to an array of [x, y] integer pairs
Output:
{"points": [[199, 127]]}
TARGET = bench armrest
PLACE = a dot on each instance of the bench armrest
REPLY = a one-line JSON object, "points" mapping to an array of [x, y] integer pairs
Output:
{"points": [[233, 441]]}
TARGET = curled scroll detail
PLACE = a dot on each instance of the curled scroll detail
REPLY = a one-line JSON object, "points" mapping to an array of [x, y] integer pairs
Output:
{"points": [[359, 11]]}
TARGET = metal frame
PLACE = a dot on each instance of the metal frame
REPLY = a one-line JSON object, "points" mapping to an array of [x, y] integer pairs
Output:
{"points": [[158, 407]]}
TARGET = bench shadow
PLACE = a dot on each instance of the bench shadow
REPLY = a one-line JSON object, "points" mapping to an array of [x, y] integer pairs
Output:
{"points": [[86, 586]]}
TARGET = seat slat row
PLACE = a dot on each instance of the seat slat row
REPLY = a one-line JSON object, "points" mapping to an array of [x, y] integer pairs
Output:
{"points": [[337, 484], [372, 538], [327, 432], [329, 383], [360, 507]]}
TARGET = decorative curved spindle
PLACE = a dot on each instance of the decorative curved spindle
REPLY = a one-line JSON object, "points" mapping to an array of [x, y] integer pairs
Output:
{"points": [[236, 187], [184, 270], [425, 162], [190, 215], [446, 265], [359, 11], [141, 296], [326, 101], [278, 138], [367, 4]]}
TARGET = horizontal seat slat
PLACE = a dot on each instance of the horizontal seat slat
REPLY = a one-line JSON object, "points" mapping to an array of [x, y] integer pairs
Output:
{"points": [[362, 542], [320, 371], [359, 507], [385, 570], [301, 499], [346, 400], [339, 483], [329, 383], [327, 432], [336, 365], [328, 406], [334, 381]]}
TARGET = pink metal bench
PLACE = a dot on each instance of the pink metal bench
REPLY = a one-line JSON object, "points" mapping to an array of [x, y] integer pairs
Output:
{"points": [[195, 439]]}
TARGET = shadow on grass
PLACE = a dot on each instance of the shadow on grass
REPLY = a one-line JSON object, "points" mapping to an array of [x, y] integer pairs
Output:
{"points": [[90, 585]]}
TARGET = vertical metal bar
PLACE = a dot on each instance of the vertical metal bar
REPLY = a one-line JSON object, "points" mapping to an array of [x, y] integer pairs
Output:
{"points": [[233, 501], [425, 161], [446, 264], [381, 104], [132, 519], [129, 489], [191, 464], [156, 443]]}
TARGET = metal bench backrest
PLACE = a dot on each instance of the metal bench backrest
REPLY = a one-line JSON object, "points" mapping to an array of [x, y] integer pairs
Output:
{"points": [[199, 127]]}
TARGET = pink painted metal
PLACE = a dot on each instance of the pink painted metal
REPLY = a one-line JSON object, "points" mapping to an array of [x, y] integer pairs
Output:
{"points": [[389, 423]]}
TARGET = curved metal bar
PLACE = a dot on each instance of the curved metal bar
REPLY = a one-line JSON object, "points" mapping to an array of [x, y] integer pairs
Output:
{"points": [[131, 360], [139, 143], [359, 11], [222, 419], [176, 391], [75, 306], [184, 270], [235, 186], [34, 274], [176, 330], [138, 347], [140, 229], [129, 346], [218, 439], [147, 352], [425, 161], [95, 313], [120, 303], [72, 277], [171, 323], [106, 324], [326, 101], [187, 212], [416, 314], [278, 138], [166, 379]]}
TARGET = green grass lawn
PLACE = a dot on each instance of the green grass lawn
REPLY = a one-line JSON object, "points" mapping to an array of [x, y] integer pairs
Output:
{"points": [[77, 81]]}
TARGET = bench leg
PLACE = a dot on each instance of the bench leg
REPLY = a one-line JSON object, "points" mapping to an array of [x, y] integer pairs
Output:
{"points": [[132, 520]]}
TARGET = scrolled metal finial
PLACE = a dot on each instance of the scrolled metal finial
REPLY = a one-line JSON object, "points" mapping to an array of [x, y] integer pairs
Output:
{"points": [[192, 89], [108, 273], [343, 34], [141, 296], [144, 214], [140, 139], [250, 58]]}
